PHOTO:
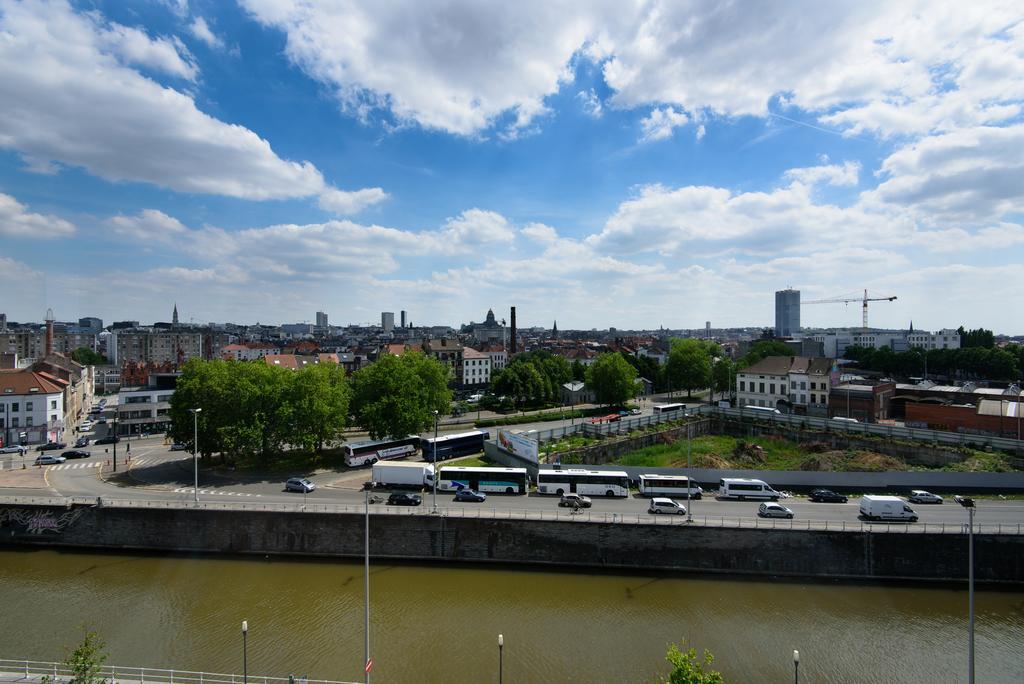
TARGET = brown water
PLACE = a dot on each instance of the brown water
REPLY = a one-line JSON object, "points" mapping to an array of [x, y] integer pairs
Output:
{"points": [[435, 624]]}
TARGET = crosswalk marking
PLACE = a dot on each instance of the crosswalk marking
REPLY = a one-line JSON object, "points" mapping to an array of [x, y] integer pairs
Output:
{"points": [[215, 492], [76, 466]]}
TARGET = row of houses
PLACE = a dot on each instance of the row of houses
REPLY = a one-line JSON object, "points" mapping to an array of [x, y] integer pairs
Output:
{"points": [[44, 401]]}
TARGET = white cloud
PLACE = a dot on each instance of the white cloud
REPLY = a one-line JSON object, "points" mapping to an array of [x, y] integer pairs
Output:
{"points": [[344, 202], [456, 66], [659, 123], [16, 221], [591, 103], [700, 132], [475, 227], [69, 97], [201, 30], [971, 174], [830, 174], [149, 225]]}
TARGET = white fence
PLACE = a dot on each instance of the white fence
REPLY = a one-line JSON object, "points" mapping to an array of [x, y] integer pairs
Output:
{"points": [[58, 673]]}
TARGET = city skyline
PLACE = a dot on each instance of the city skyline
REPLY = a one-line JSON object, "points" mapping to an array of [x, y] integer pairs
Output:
{"points": [[588, 165]]}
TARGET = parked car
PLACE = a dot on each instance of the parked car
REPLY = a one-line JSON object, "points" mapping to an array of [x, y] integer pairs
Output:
{"points": [[81, 442], [101, 421], [51, 446], [109, 439], [923, 497], [14, 449], [774, 510], [179, 446], [404, 499], [467, 494], [49, 460], [826, 496], [85, 425], [76, 453], [299, 484], [575, 500], [660, 504], [635, 412]]}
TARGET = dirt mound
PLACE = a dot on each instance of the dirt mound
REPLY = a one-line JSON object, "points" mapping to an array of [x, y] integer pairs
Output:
{"points": [[827, 461], [708, 461], [870, 461]]}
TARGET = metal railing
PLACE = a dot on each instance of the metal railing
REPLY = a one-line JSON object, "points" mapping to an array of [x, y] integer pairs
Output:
{"points": [[587, 515], [59, 673]]}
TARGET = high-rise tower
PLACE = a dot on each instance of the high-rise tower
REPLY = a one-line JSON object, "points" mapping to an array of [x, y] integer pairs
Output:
{"points": [[787, 313]]}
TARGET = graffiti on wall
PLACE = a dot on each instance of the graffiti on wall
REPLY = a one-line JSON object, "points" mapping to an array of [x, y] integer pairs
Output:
{"points": [[37, 522]]}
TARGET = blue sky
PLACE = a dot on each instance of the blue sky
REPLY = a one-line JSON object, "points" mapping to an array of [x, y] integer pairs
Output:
{"points": [[631, 165]]}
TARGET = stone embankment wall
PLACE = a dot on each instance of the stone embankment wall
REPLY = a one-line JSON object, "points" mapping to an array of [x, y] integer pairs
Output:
{"points": [[578, 544]]}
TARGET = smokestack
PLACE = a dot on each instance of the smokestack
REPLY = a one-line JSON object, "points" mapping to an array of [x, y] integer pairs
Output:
{"points": [[512, 347], [49, 331]]}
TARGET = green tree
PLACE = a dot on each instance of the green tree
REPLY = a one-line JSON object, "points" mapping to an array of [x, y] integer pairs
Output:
{"points": [[319, 396], [397, 395], [763, 349], [976, 338], [723, 374], [579, 371], [688, 366], [612, 379], [87, 357], [687, 669], [86, 661]]}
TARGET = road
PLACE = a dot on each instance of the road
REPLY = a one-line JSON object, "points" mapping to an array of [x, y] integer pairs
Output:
{"points": [[156, 473]]}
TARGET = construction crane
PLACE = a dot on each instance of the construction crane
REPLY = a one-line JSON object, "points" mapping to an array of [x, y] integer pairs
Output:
{"points": [[864, 301]]}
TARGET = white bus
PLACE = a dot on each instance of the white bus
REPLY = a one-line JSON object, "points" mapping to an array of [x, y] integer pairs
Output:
{"points": [[368, 453], [586, 482], [507, 480], [762, 409], [742, 489], [669, 408], [669, 485]]}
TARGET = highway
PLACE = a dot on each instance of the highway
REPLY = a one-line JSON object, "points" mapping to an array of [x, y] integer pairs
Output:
{"points": [[155, 473]]}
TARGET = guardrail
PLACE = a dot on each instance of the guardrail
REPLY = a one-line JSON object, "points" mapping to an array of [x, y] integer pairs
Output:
{"points": [[59, 673], [586, 515]]}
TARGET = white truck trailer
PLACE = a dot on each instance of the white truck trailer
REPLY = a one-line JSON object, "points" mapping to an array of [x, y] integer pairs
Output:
{"points": [[407, 475], [891, 508]]}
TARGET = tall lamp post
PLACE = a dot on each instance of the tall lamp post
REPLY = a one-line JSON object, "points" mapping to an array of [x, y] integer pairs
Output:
{"points": [[366, 590], [796, 666], [117, 412], [195, 449], [968, 503], [245, 652], [434, 478], [689, 478], [501, 664]]}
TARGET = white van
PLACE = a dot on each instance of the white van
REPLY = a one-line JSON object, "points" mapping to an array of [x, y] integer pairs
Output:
{"points": [[742, 488], [762, 409], [886, 508], [845, 420]]}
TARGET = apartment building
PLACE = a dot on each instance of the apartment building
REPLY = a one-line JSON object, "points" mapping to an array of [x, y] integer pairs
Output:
{"points": [[31, 407], [791, 384], [476, 368]]}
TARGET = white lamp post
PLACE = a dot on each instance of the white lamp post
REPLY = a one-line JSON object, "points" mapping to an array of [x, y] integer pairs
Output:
{"points": [[796, 666], [434, 479], [195, 449], [245, 652], [501, 664], [968, 503]]}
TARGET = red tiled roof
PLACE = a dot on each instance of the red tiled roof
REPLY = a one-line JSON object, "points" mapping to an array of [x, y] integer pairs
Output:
{"points": [[27, 382]]}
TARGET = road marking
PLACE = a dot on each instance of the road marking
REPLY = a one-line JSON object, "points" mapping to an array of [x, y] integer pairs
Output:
{"points": [[213, 492], [75, 466]]}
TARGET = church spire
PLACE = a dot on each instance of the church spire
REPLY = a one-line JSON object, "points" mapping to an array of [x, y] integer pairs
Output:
{"points": [[174, 316], [554, 330]]}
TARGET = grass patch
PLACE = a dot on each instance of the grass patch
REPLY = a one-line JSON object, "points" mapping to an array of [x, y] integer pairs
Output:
{"points": [[477, 461]]}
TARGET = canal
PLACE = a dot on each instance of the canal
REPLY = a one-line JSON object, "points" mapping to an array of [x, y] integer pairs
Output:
{"points": [[440, 624]]}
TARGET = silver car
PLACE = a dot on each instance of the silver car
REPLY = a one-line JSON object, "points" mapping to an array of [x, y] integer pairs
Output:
{"points": [[49, 460], [13, 449], [774, 510], [922, 497], [299, 484], [661, 504]]}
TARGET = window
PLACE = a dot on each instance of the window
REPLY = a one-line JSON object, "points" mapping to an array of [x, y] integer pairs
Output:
{"points": [[28, 406], [803, 385], [742, 387], [814, 399], [28, 422], [762, 387], [15, 407], [772, 388], [53, 404], [14, 422], [53, 418], [792, 384]]}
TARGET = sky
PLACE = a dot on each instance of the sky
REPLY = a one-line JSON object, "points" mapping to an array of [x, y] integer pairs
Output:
{"points": [[633, 164]]}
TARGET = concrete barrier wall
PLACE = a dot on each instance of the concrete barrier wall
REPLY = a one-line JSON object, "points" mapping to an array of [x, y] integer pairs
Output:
{"points": [[860, 555]]}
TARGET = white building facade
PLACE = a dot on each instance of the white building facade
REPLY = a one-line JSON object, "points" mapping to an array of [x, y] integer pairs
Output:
{"points": [[476, 368]]}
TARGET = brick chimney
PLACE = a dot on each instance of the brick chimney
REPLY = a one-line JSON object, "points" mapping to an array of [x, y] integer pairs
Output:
{"points": [[49, 332]]}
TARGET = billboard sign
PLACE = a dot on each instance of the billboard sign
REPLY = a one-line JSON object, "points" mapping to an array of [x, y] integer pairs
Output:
{"points": [[519, 444]]}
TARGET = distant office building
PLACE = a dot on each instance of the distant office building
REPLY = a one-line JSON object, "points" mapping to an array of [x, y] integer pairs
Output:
{"points": [[90, 323], [3, 322], [387, 321], [707, 330], [321, 319], [403, 319], [787, 313]]}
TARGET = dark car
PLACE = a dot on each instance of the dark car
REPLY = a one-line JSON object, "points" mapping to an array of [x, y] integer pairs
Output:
{"points": [[404, 499], [109, 439], [470, 495], [178, 446], [81, 442], [51, 446], [826, 496], [76, 453]]}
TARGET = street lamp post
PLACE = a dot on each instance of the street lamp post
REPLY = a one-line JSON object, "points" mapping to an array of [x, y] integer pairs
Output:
{"points": [[434, 479], [366, 588], [195, 449], [796, 666], [689, 477], [501, 664], [117, 412], [245, 652], [968, 503]]}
